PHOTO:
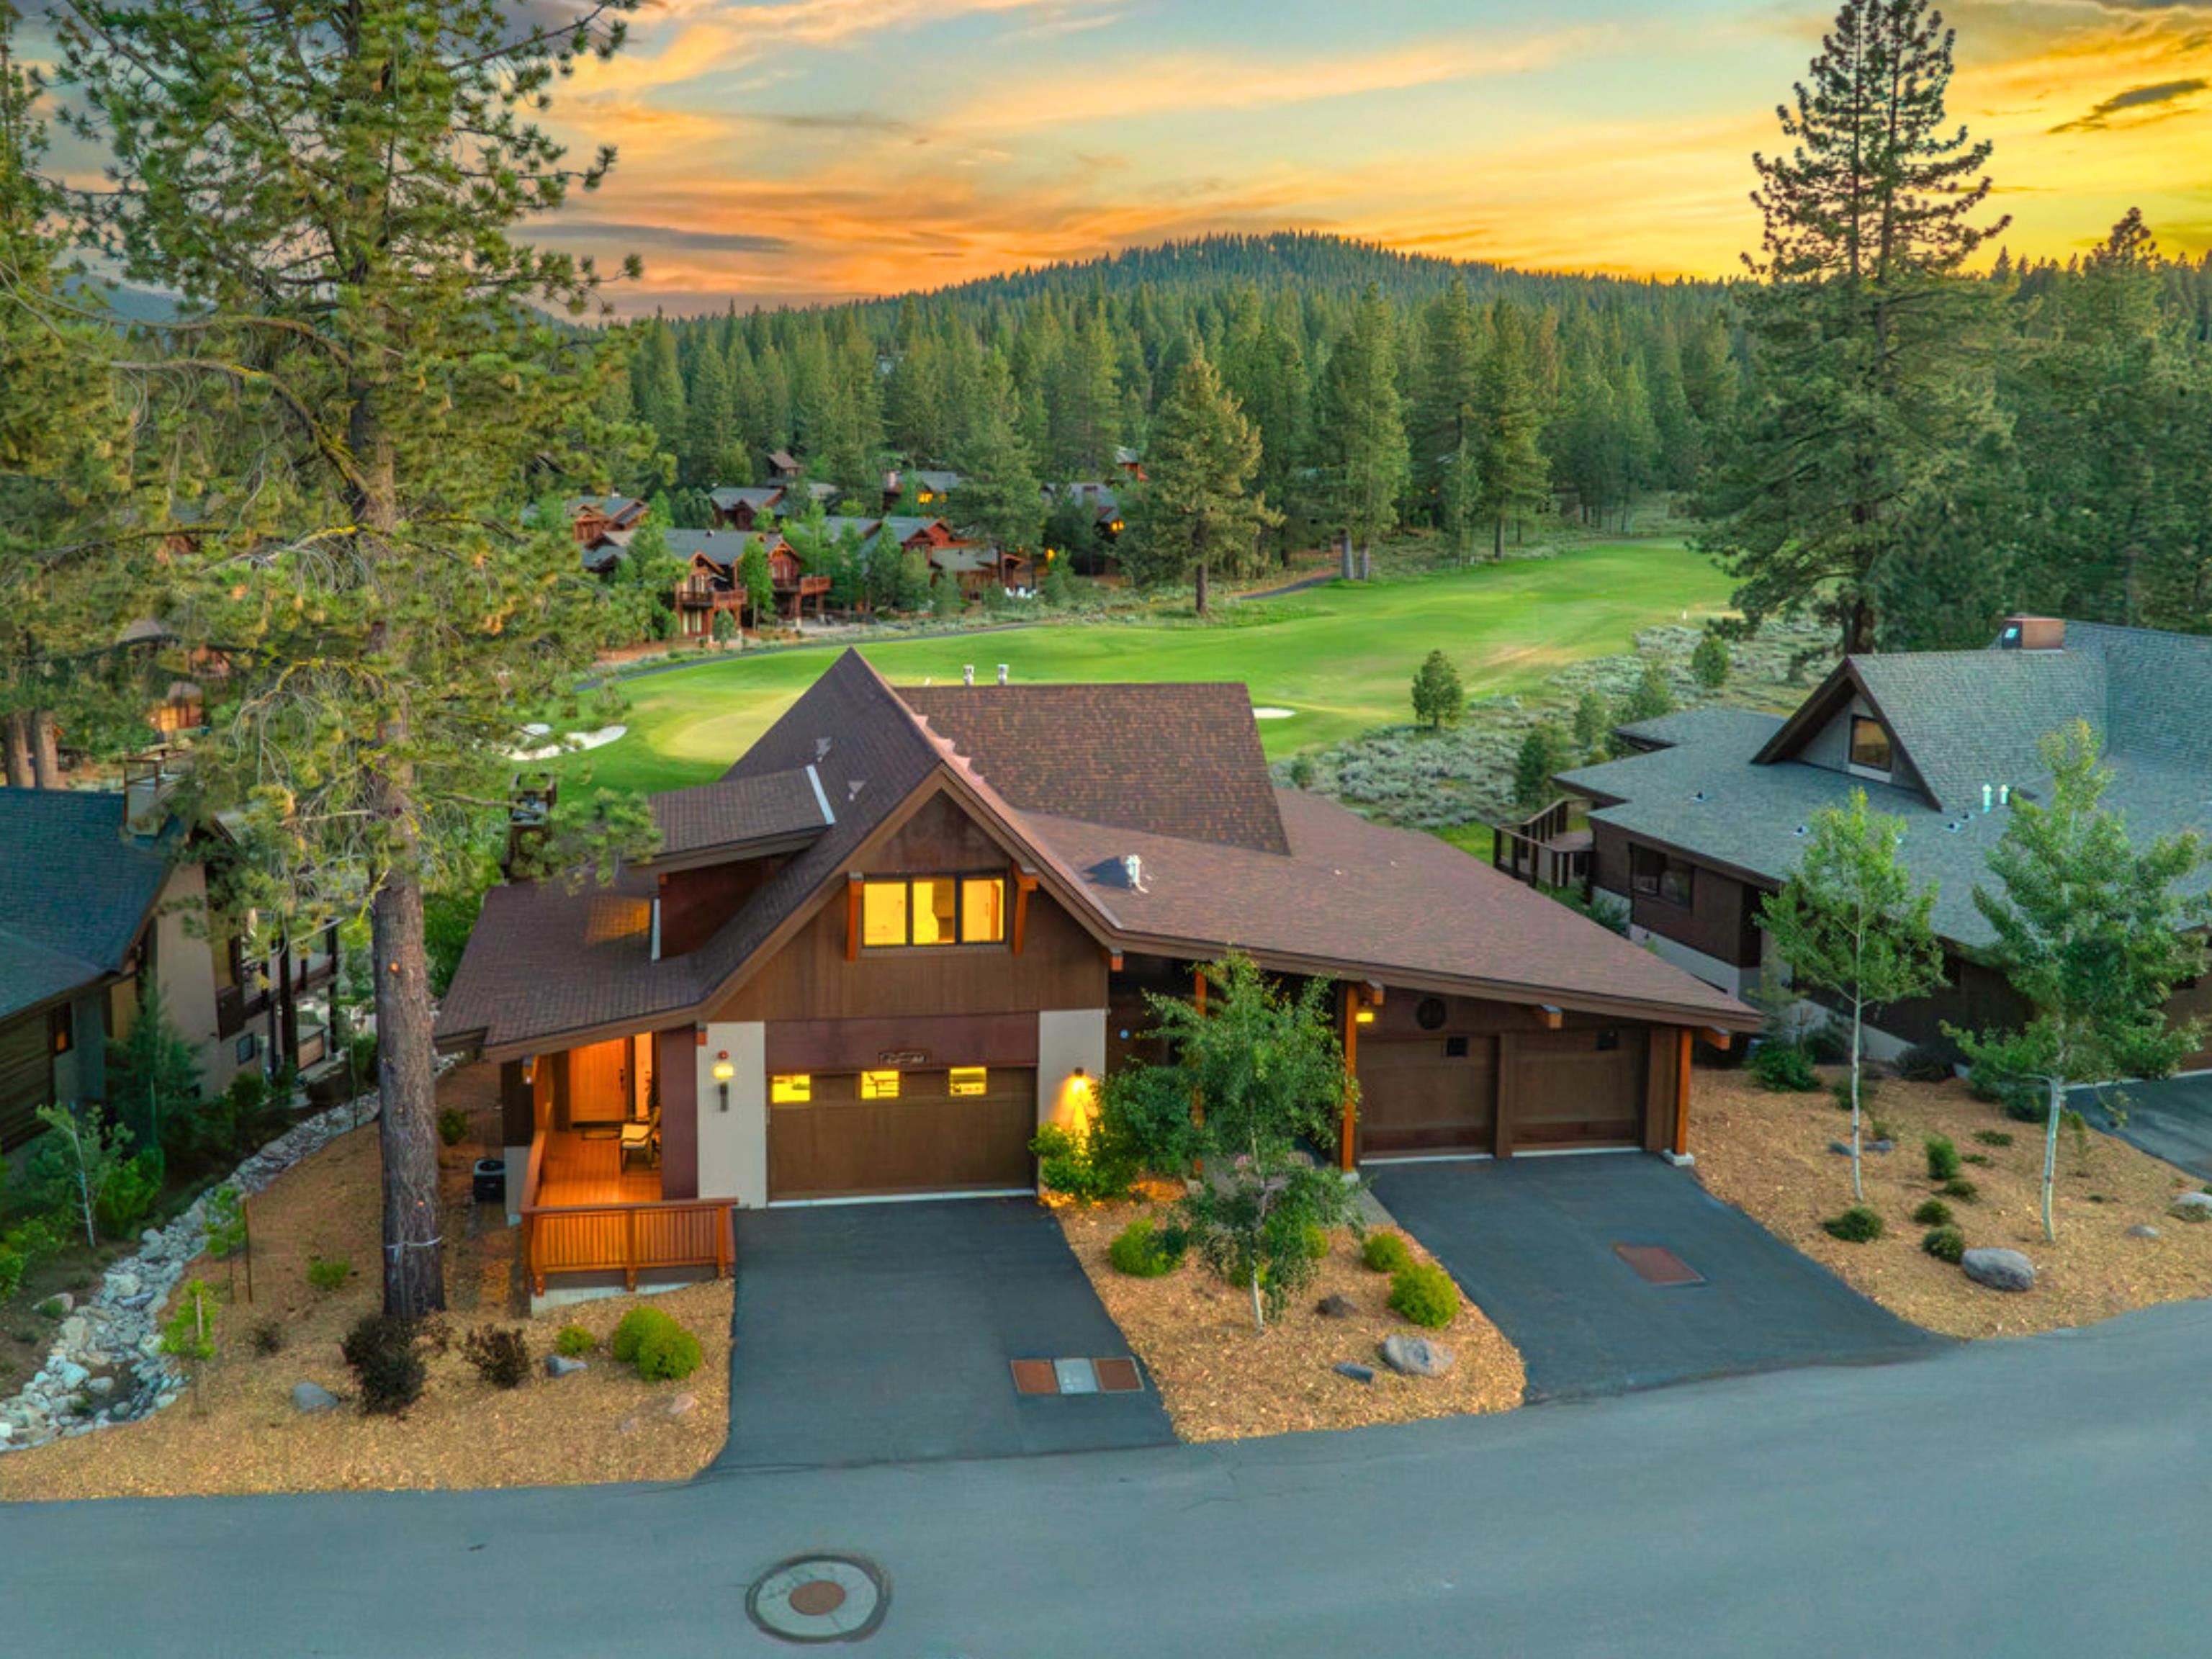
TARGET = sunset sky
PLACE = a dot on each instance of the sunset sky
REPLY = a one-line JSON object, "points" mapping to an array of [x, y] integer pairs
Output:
{"points": [[812, 149]]}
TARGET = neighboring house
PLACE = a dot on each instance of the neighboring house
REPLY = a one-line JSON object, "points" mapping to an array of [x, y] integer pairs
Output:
{"points": [[782, 466], [745, 508], [908, 926], [603, 525], [1693, 833], [101, 893], [710, 582], [930, 485], [1129, 464]]}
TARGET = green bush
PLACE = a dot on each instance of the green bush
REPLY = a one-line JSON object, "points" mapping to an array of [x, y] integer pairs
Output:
{"points": [[452, 1126], [127, 1197], [1784, 1066], [1944, 1243], [1934, 1213], [1993, 1137], [667, 1354], [1929, 1062], [1092, 1166], [1385, 1252], [1144, 1251], [327, 1273], [13, 1265], [636, 1325], [1827, 1045], [382, 1351], [501, 1356], [267, 1338], [52, 1308], [1962, 1189], [1424, 1294], [1856, 1225], [1942, 1158], [1709, 663], [574, 1342], [1317, 1242], [1841, 1088], [1980, 1160]]}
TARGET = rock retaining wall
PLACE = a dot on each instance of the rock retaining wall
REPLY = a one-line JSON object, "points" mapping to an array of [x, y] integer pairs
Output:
{"points": [[106, 1366]]}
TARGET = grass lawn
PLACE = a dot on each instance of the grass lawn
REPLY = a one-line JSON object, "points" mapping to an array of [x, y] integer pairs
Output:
{"points": [[1341, 658]]}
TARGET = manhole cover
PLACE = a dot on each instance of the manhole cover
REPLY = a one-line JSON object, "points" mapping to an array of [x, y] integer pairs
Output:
{"points": [[1657, 1265], [820, 1598]]}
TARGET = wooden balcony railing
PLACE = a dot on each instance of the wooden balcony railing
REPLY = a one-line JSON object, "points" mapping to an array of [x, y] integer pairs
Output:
{"points": [[625, 1238]]}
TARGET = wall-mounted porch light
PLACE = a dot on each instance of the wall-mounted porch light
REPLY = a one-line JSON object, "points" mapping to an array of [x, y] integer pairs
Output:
{"points": [[723, 1073]]}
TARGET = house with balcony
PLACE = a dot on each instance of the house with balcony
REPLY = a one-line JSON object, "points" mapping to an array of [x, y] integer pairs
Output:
{"points": [[744, 508], [908, 925], [711, 583], [1709, 815]]}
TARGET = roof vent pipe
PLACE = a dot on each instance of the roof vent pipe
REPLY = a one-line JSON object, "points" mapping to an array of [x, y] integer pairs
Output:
{"points": [[2004, 794], [967, 673], [1002, 673], [1987, 793], [1135, 868]]}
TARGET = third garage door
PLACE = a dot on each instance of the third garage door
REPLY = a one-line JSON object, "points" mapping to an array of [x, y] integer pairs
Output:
{"points": [[1579, 1088], [848, 1138], [1427, 1094]]}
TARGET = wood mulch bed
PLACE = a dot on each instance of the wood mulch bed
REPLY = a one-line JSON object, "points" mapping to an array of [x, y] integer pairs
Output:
{"points": [[243, 1435], [1767, 1154], [1220, 1380]]}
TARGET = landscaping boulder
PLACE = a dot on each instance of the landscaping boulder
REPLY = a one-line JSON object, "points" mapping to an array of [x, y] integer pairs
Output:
{"points": [[1416, 1356], [559, 1364], [1840, 1148], [1882, 1145], [2143, 1230], [1999, 1270], [311, 1397], [58, 1305], [683, 1406], [1335, 1306], [2194, 1207], [1356, 1371]]}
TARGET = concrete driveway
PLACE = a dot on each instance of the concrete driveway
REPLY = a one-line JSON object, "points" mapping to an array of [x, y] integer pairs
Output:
{"points": [[1532, 1240], [882, 1333], [2171, 1120]]}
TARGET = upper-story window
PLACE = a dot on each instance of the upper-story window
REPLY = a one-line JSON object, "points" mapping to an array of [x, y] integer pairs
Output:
{"points": [[1655, 875], [924, 910], [1870, 746]]}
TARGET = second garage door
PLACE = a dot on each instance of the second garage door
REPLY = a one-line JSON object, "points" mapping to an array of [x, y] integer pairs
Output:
{"points": [[1579, 1088], [1427, 1094], [877, 1135]]}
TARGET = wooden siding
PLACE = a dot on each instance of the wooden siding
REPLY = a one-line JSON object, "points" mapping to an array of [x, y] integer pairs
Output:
{"points": [[851, 1045], [676, 1063], [694, 904], [1721, 919], [26, 1076]]}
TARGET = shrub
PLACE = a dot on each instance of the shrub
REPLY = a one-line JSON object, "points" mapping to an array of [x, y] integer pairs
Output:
{"points": [[1884, 1130], [327, 1273], [1709, 663], [127, 1198], [1993, 1137], [1385, 1252], [189, 1333], [1942, 1158], [1841, 1088], [501, 1356], [642, 1328], [574, 1342], [385, 1361], [266, 1338], [1981, 1160], [667, 1354], [2020, 1101], [223, 1223], [1934, 1213], [1928, 1062], [1424, 1294], [13, 1264], [1944, 1243], [1784, 1066], [1962, 1189], [452, 1126], [1144, 1251], [1092, 1165], [1856, 1225], [1317, 1242], [52, 1309], [1825, 1045]]}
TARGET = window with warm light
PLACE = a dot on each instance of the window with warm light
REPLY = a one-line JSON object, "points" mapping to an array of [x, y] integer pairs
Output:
{"points": [[936, 910], [982, 911], [970, 1080], [880, 1085], [883, 913], [1870, 748], [794, 1090], [933, 910]]}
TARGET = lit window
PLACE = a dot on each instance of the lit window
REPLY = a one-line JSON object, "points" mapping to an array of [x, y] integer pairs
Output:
{"points": [[982, 911], [936, 902], [61, 1025], [883, 913], [880, 1085], [1869, 744], [970, 1080], [796, 1090]]}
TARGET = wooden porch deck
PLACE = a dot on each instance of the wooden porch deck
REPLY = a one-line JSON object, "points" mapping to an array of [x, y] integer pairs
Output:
{"points": [[583, 1168]]}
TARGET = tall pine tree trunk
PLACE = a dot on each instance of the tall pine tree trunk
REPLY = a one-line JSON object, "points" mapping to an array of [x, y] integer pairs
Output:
{"points": [[1366, 561], [1201, 589], [1344, 556], [17, 740], [46, 751], [1497, 540]]}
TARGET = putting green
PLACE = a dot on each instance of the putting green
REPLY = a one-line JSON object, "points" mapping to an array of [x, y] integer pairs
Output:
{"points": [[1340, 658]]}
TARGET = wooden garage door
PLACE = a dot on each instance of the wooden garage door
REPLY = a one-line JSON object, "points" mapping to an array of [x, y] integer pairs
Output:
{"points": [[1579, 1088], [837, 1144], [1427, 1094]]}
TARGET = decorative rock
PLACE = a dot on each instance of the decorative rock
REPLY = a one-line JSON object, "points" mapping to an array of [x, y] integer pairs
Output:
{"points": [[2195, 1206], [628, 1426], [1416, 1356], [122, 1284], [1840, 1148], [1335, 1306], [101, 1386], [682, 1406], [151, 1238], [74, 1330], [69, 1375], [61, 1302], [313, 1397], [1999, 1270], [1883, 1146], [559, 1364], [2143, 1230], [1357, 1373]]}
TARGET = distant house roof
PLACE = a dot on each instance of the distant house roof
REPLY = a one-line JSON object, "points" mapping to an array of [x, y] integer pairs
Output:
{"points": [[1733, 787], [75, 891], [722, 547], [1101, 498], [759, 497], [1073, 781], [782, 460], [617, 508]]}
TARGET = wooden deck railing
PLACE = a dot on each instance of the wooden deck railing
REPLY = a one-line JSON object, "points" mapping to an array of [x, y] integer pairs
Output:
{"points": [[624, 1238]]}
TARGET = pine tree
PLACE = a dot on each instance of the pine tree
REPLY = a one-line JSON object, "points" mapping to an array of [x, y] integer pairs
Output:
{"points": [[1445, 429], [1196, 514], [1872, 348], [1361, 436], [999, 495], [1438, 699], [1515, 480], [708, 425], [367, 394]]}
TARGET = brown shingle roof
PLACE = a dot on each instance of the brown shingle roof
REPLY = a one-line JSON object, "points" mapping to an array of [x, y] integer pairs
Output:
{"points": [[732, 812], [1179, 760]]}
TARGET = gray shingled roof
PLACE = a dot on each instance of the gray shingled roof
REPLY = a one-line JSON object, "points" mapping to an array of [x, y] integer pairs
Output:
{"points": [[74, 892], [1963, 719], [758, 497], [732, 812], [724, 547]]}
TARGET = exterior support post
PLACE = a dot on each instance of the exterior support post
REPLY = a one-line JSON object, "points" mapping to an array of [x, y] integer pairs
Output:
{"points": [[1348, 1117], [1682, 1096]]}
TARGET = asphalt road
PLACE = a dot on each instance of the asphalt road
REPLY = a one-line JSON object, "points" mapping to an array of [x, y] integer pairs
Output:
{"points": [[2050, 1497]]}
